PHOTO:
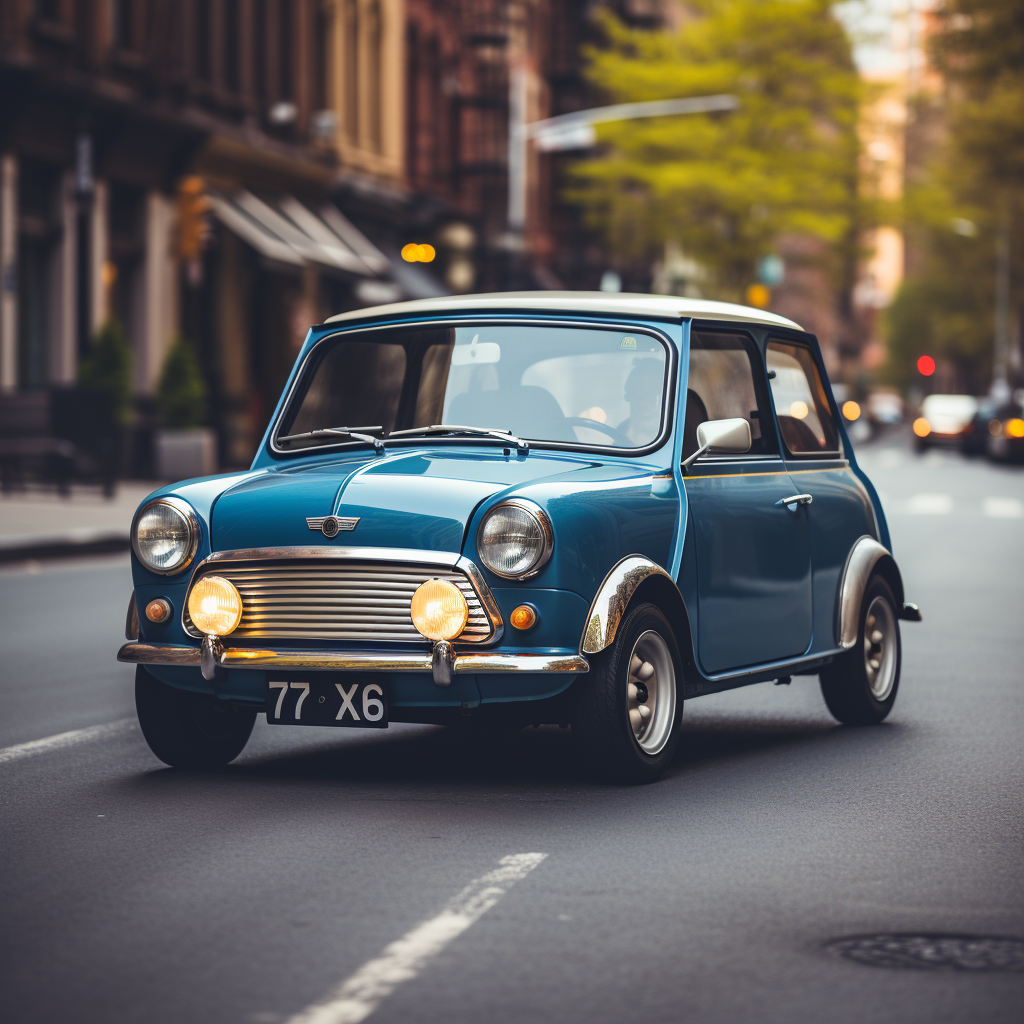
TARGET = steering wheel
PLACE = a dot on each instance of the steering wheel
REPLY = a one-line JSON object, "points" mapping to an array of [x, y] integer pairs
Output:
{"points": [[614, 433]]}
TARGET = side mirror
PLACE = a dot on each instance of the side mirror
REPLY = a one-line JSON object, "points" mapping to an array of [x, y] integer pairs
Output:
{"points": [[725, 437]]}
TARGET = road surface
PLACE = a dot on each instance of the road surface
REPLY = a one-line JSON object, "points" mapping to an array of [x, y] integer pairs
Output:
{"points": [[276, 892]]}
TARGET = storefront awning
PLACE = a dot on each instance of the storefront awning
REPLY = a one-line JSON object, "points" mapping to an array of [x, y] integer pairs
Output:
{"points": [[286, 230]]}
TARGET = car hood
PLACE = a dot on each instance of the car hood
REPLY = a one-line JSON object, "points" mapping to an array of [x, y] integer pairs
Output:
{"points": [[421, 499]]}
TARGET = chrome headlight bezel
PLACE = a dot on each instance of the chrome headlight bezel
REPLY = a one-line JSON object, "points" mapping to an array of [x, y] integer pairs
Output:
{"points": [[546, 536], [191, 521]]}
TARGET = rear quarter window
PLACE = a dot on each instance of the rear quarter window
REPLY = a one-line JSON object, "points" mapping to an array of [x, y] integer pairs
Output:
{"points": [[801, 404]]}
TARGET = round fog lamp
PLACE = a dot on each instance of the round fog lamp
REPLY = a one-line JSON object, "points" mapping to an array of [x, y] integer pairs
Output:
{"points": [[922, 427], [215, 606], [439, 610]]}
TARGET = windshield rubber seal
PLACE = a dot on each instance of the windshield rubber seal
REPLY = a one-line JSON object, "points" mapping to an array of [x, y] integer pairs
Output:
{"points": [[668, 390]]}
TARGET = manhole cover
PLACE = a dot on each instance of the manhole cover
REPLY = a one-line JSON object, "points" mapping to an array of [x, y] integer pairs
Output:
{"points": [[934, 952]]}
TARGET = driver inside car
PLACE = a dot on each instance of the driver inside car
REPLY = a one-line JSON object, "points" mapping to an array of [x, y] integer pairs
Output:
{"points": [[642, 392]]}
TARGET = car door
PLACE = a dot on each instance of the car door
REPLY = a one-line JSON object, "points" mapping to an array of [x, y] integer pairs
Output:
{"points": [[840, 511], [753, 555]]}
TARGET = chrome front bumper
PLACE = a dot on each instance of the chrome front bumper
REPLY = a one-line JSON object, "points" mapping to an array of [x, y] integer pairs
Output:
{"points": [[348, 661]]}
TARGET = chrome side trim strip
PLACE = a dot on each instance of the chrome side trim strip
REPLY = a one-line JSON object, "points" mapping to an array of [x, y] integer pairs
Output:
{"points": [[864, 556], [612, 597], [350, 661]]}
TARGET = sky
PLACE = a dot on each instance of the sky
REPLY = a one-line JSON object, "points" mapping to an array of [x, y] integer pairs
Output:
{"points": [[881, 30]]}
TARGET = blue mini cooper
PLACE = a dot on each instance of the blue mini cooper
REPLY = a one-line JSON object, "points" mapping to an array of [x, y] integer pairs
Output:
{"points": [[508, 509]]}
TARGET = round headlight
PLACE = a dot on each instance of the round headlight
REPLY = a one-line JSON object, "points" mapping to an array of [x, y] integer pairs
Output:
{"points": [[215, 606], [439, 610], [515, 539], [165, 535]]}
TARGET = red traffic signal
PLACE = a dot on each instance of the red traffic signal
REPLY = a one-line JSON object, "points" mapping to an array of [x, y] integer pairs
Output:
{"points": [[925, 366]]}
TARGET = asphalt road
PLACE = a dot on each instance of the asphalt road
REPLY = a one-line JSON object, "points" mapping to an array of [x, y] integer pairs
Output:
{"points": [[130, 892]]}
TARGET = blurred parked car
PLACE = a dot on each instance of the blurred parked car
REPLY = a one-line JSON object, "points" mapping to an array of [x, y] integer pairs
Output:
{"points": [[1004, 434], [943, 420], [885, 407], [974, 440]]}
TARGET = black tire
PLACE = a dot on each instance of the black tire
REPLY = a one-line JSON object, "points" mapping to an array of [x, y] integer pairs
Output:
{"points": [[604, 736], [846, 684], [189, 730]]}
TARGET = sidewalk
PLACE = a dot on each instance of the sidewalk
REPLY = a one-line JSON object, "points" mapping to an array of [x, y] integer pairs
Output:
{"points": [[41, 524]]}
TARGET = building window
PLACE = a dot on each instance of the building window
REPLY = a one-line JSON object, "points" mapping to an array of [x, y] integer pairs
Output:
{"points": [[232, 41], [203, 55], [412, 74], [38, 237], [351, 71], [375, 42], [122, 24], [323, 40], [47, 10], [285, 61], [259, 16]]}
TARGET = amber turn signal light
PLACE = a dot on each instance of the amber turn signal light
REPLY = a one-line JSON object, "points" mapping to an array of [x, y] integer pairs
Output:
{"points": [[524, 617], [922, 427], [158, 610]]}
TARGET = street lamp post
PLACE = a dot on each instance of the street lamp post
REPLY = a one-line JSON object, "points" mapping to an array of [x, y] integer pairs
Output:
{"points": [[576, 131]]}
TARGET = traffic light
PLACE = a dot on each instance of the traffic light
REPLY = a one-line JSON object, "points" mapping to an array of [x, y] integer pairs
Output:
{"points": [[925, 366], [193, 228]]}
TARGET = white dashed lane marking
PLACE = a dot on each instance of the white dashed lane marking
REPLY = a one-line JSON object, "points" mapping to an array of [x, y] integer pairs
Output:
{"points": [[1003, 508], [358, 996], [943, 505], [930, 505], [64, 739]]}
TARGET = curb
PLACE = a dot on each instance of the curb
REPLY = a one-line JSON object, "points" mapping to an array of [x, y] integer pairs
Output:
{"points": [[72, 543]]}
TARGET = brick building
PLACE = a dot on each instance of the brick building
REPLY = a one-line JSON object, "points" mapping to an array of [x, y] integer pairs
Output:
{"points": [[324, 135]]}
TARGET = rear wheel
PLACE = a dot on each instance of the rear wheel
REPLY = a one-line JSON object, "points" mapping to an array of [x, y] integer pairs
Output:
{"points": [[628, 706], [189, 730], [860, 687]]}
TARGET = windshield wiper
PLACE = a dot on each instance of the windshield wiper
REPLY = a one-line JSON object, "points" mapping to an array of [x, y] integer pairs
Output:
{"points": [[356, 433], [444, 428]]}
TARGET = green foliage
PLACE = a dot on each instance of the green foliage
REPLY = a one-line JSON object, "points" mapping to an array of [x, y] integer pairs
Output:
{"points": [[181, 395], [108, 369], [976, 180], [726, 186]]}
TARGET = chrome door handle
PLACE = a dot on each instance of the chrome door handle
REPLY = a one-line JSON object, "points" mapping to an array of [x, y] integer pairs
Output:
{"points": [[793, 500]]}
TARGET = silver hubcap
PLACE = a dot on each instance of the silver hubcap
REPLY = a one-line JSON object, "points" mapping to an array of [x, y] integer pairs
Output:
{"points": [[651, 692], [880, 648]]}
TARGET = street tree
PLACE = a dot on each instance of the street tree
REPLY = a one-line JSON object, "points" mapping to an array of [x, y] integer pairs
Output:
{"points": [[970, 199], [727, 186]]}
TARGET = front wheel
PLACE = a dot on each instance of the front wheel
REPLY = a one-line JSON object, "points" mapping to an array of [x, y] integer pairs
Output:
{"points": [[189, 730], [628, 707], [860, 686]]}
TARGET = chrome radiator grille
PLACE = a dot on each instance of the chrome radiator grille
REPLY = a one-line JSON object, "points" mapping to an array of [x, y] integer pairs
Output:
{"points": [[324, 600]]}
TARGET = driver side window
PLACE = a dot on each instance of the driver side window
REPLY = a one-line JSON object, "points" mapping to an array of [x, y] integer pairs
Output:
{"points": [[722, 384]]}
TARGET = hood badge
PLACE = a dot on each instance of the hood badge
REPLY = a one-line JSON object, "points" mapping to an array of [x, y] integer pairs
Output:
{"points": [[331, 526]]}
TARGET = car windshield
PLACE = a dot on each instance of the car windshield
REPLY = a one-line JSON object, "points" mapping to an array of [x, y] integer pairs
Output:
{"points": [[571, 385]]}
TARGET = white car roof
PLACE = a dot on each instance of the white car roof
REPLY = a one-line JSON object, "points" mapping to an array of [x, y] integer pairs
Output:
{"points": [[627, 303]]}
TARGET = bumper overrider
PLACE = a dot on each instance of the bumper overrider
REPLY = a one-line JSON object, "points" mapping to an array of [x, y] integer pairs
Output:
{"points": [[344, 594]]}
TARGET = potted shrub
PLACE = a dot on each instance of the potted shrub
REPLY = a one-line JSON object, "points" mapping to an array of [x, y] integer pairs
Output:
{"points": [[184, 447], [97, 413]]}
